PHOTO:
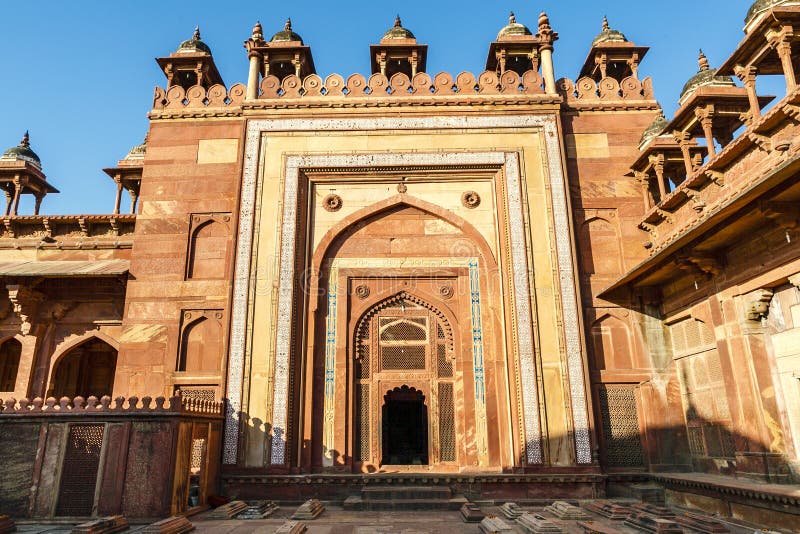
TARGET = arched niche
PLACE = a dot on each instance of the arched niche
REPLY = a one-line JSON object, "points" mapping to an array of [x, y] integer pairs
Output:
{"points": [[10, 352], [86, 369], [599, 247], [611, 344], [201, 342], [209, 238]]}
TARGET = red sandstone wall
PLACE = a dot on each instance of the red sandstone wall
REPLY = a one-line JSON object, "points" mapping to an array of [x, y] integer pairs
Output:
{"points": [[190, 185]]}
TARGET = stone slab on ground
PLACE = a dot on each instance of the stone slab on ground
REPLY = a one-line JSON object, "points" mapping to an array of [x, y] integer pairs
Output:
{"points": [[471, 513], [701, 524], [258, 510], [608, 509], [7, 524], [311, 509], [511, 510], [663, 512], [591, 527], [495, 525], [650, 523], [104, 525], [227, 511], [291, 527], [565, 510], [171, 525], [537, 524]]}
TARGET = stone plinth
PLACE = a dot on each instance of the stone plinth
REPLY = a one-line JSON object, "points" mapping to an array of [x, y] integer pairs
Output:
{"points": [[511, 510], [537, 524], [170, 525], [650, 523], [699, 523], [7, 524], [590, 527], [291, 527], [663, 512], [228, 511], [104, 525], [609, 509], [471, 513], [565, 510], [311, 509], [258, 510], [494, 525]]}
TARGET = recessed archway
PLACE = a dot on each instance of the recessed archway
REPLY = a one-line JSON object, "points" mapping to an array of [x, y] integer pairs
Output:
{"points": [[86, 370], [10, 352], [405, 427]]}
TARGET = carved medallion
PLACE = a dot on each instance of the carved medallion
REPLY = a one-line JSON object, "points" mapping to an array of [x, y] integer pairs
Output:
{"points": [[446, 291], [332, 202], [362, 292], [471, 199], [401, 188]]}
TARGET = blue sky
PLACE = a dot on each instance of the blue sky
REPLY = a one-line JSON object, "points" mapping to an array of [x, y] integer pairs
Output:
{"points": [[80, 74]]}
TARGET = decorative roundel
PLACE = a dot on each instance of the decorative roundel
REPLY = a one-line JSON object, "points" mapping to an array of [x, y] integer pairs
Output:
{"points": [[362, 292], [446, 291], [401, 188], [332, 202], [471, 199]]}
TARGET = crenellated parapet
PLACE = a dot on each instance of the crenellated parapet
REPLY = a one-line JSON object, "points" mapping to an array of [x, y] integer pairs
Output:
{"points": [[177, 404], [607, 90]]}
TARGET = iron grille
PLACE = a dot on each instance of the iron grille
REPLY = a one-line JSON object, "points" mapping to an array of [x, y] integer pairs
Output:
{"points": [[79, 470]]}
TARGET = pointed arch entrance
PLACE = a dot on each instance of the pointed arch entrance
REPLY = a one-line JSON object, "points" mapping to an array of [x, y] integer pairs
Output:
{"points": [[404, 354], [86, 370]]}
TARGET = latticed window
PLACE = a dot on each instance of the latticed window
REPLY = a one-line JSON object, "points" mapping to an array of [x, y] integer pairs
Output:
{"points": [[404, 343]]}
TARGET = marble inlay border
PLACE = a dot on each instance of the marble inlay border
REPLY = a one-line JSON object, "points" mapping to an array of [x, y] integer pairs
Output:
{"points": [[256, 128], [476, 323]]}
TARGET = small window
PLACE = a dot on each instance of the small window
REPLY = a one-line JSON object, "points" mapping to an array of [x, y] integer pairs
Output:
{"points": [[10, 352]]}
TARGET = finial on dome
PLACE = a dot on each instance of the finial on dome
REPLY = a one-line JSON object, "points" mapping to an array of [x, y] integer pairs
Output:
{"points": [[26, 140], [397, 22], [196, 35], [288, 26], [258, 32], [606, 26], [512, 19], [702, 61]]}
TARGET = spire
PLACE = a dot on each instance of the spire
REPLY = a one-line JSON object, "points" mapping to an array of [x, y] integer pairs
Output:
{"points": [[196, 35], [26, 140], [702, 61], [512, 19], [397, 22], [606, 26], [258, 32], [544, 22], [288, 26]]}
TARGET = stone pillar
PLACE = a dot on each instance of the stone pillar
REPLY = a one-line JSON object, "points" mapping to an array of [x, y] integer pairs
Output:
{"points": [[659, 168], [682, 138], [38, 204], [17, 191], [547, 37], [118, 198], [782, 43], [747, 75], [252, 75], [134, 200], [8, 202], [705, 116]]}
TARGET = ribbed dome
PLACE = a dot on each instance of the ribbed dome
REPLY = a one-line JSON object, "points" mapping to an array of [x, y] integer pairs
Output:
{"points": [[654, 130], [194, 45], [513, 28], [398, 32], [23, 152], [760, 6], [705, 76], [286, 35], [609, 35]]}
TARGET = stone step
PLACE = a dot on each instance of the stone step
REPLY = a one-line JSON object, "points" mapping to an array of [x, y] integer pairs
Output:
{"points": [[356, 503], [369, 493]]}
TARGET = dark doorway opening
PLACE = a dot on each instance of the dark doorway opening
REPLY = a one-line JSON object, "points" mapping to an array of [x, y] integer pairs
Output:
{"points": [[405, 427]]}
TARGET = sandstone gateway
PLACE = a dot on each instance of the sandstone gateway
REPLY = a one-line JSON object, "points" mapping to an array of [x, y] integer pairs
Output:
{"points": [[505, 284]]}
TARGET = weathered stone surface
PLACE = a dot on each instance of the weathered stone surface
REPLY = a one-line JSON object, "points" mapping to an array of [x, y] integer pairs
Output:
{"points": [[650, 523], [291, 527], [311, 509], [228, 511], [590, 527], [511, 510], [699, 523], [608, 509], [18, 443], [7, 525], [495, 525], [170, 525], [537, 524], [565, 510], [471, 513], [104, 525], [258, 510]]}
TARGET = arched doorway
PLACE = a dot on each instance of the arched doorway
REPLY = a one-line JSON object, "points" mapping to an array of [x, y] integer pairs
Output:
{"points": [[405, 373], [86, 370], [405, 427], [10, 352]]}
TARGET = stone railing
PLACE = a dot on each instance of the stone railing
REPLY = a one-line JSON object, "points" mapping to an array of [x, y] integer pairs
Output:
{"points": [[607, 90], [177, 404], [749, 159], [57, 227]]}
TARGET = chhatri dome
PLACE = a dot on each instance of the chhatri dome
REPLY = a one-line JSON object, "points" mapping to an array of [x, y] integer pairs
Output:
{"points": [[609, 35], [513, 28], [286, 35], [195, 45], [397, 31], [654, 130], [761, 6], [23, 152], [705, 76]]}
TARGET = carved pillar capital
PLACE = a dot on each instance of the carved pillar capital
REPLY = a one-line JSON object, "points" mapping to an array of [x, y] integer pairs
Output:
{"points": [[795, 280], [757, 304], [25, 301]]}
